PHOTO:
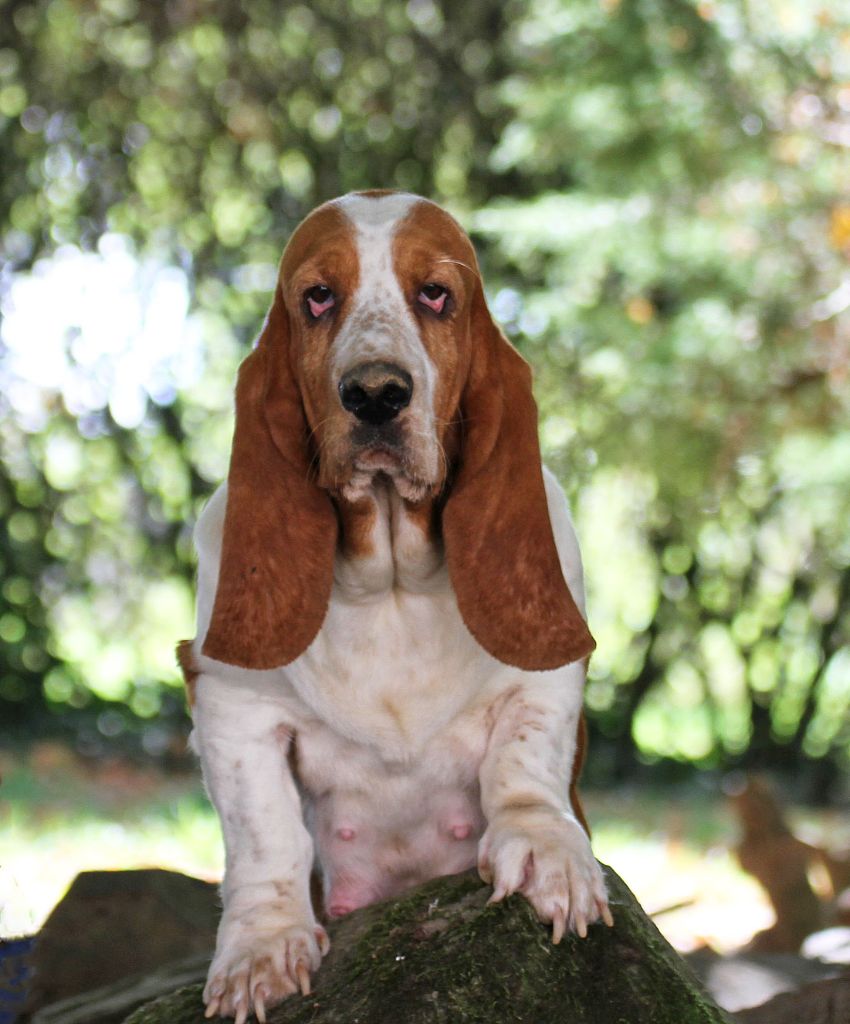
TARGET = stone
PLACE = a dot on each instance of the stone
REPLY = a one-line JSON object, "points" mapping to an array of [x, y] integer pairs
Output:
{"points": [[441, 953], [744, 980], [112, 924], [112, 1003], [823, 1002]]}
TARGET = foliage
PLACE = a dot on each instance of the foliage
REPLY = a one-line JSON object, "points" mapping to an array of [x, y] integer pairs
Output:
{"points": [[655, 188]]}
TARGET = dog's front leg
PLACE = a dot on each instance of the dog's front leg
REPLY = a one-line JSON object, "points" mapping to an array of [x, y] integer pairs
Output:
{"points": [[268, 939], [534, 843]]}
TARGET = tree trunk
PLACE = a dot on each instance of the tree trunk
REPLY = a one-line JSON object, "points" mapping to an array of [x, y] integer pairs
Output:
{"points": [[440, 953]]}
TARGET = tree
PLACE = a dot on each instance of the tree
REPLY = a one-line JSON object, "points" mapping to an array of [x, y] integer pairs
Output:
{"points": [[656, 192]]}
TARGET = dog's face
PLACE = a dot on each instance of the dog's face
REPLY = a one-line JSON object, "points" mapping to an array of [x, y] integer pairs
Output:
{"points": [[378, 292]]}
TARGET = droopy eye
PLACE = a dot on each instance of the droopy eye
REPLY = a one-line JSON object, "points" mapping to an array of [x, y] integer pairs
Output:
{"points": [[319, 299], [433, 296]]}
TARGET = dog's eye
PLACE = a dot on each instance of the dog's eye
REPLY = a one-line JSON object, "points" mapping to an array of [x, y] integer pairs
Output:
{"points": [[433, 296], [318, 299]]}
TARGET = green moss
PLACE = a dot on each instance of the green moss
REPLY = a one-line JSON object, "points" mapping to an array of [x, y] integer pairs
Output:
{"points": [[441, 953], [184, 1006]]}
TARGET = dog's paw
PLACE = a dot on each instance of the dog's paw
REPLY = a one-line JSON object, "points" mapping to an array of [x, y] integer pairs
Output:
{"points": [[546, 856], [255, 968]]}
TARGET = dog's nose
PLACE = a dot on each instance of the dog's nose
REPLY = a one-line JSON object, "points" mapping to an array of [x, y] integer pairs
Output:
{"points": [[375, 392]]}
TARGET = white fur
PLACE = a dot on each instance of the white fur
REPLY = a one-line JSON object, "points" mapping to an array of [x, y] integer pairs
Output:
{"points": [[417, 753]]}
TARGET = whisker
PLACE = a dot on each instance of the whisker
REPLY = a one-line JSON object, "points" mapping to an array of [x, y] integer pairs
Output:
{"points": [[321, 423], [459, 263]]}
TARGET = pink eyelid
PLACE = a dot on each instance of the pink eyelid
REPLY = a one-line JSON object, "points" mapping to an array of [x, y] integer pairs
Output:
{"points": [[435, 304], [317, 308]]}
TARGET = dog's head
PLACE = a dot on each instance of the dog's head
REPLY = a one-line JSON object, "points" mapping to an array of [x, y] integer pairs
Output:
{"points": [[378, 292], [379, 356]]}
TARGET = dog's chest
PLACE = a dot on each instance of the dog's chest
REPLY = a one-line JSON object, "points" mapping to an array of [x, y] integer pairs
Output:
{"points": [[391, 674], [393, 684], [393, 670]]}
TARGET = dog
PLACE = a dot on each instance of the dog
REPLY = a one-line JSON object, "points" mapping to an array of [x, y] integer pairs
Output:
{"points": [[386, 682]]}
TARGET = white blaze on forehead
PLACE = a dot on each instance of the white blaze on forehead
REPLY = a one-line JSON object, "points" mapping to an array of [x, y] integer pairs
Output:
{"points": [[379, 214], [379, 324]]}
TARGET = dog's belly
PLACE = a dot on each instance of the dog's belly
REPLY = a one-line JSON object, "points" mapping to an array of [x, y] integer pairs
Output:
{"points": [[381, 826], [397, 705]]}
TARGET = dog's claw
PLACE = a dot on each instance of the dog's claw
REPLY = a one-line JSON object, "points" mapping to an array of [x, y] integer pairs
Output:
{"points": [[323, 940], [260, 1006], [303, 979], [559, 924], [499, 893]]}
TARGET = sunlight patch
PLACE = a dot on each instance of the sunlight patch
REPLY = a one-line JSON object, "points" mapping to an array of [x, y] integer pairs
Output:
{"points": [[101, 329]]}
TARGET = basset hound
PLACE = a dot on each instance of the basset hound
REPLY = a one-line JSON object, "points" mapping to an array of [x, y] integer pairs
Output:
{"points": [[386, 683]]}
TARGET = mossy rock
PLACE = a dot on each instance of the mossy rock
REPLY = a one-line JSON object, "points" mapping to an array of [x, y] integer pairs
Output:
{"points": [[440, 953]]}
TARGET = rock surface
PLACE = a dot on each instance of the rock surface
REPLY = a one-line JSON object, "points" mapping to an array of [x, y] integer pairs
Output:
{"points": [[111, 1004], [112, 924], [824, 1002], [743, 980], [442, 954]]}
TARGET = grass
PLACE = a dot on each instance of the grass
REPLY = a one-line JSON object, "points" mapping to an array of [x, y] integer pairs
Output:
{"points": [[61, 817]]}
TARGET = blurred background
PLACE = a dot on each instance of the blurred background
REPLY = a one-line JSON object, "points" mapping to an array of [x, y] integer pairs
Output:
{"points": [[658, 194]]}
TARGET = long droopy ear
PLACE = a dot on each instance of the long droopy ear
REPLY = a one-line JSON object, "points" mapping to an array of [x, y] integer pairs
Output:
{"points": [[280, 529], [500, 549]]}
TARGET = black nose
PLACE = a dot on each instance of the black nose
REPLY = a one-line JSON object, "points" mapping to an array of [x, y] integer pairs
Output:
{"points": [[375, 392]]}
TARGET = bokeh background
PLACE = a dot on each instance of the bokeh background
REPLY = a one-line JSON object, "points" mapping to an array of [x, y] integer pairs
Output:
{"points": [[658, 192]]}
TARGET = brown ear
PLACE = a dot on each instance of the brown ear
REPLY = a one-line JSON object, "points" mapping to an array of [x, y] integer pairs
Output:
{"points": [[501, 553], [279, 538]]}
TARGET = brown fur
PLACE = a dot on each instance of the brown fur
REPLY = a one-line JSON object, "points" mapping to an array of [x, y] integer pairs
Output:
{"points": [[280, 527], [189, 667], [499, 544], [425, 516], [357, 520], [430, 246]]}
